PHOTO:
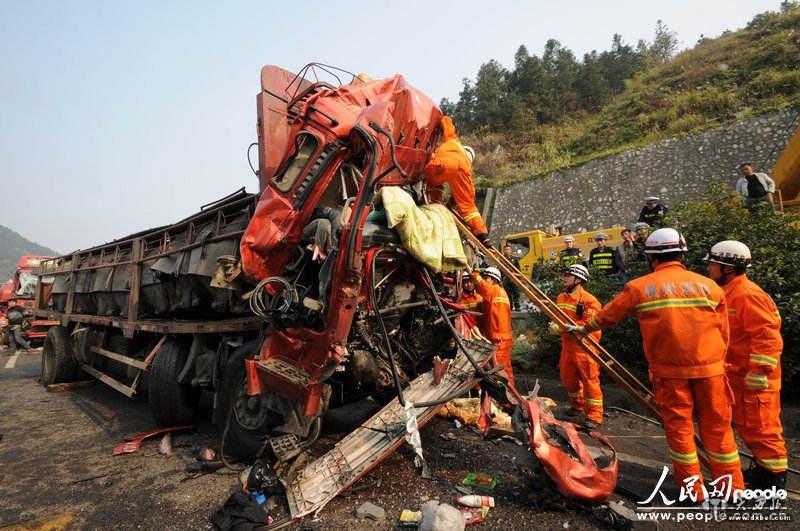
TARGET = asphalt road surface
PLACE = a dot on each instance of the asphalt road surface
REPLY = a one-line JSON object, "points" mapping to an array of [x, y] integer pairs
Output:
{"points": [[58, 471]]}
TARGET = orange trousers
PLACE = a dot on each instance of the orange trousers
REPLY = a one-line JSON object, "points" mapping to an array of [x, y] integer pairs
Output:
{"points": [[581, 378], [757, 417], [463, 195], [503, 356], [710, 400]]}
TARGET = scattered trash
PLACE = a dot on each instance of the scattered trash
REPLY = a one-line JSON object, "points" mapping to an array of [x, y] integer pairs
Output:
{"points": [[207, 454], [509, 438], [467, 411], [463, 489], [165, 446], [449, 456], [69, 386], [441, 517], [457, 424], [476, 501], [481, 480], [409, 518], [619, 516], [565, 525], [134, 443], [371, 511], [474, 515]]}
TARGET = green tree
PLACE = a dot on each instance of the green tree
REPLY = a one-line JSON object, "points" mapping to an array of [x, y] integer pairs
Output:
{"points": [[562, 69], [621, 62], [489, 91], [665, 42], [592, 85]]}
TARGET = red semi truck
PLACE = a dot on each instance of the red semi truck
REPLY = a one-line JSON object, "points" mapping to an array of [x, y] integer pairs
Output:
{"points": [[23, 287], [236, 300]]}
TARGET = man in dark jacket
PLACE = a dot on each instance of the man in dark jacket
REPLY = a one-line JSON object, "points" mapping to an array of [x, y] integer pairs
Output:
{"points": [[16, 316], [654, 212], [603, 259]]}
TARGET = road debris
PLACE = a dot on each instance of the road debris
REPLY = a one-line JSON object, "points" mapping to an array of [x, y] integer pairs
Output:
{"points": [[134, 443], [207, 454], [476, 501], [371, 511], [69, 386], [441, 517], [480, 480], [165, 446]]}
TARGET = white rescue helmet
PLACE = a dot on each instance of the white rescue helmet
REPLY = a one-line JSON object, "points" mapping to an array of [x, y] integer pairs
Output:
{"points": [[730, 252], [578, 271], [470, 153], [466, 276], [493, 272], [569, 239], [665, 241]]}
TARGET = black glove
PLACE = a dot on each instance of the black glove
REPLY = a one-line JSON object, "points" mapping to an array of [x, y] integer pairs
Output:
{"points": [[484, 239]]}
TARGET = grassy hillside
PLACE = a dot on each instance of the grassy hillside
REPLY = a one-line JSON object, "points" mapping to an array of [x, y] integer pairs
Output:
{"points": [[12, 246], [738, 74]]}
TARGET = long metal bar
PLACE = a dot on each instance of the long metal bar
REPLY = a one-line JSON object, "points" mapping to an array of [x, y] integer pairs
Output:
{"points": [[641, 393], [158, 326], [119, 357], [108, 380]]}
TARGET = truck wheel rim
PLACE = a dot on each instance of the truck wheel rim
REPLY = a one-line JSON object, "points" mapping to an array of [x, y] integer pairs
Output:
{"points": [[251, 411], [49, 358]]}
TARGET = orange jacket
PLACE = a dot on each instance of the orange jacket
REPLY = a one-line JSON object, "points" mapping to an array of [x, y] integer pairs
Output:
{"points": [[569, 303], [450, 164], [471, 301], [495, 323], [683, 318], [755, 343]]}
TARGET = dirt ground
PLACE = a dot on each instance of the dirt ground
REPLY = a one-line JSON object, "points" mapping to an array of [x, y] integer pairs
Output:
{"points": [[57, 470]]}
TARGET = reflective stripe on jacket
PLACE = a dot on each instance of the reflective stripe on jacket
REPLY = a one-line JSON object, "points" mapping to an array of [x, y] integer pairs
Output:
{"points": [[495, 322], [683, 319], [755, 343], [568, 302]]}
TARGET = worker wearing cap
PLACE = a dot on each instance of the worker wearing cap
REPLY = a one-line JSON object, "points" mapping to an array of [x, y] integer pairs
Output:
{"points": [[570, 254], [753, 363], [580, 374], [754, 187], [603, 259], [495, 322], [683, 318], [641, 231], [16, 317], [452, 164], [654, 212]]}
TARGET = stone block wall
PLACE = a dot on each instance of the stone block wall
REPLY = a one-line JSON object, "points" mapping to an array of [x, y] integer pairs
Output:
{"points": [[610, 191]]}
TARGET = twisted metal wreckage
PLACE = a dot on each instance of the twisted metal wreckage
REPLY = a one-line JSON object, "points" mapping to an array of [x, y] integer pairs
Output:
{"points": [[234, 301]]}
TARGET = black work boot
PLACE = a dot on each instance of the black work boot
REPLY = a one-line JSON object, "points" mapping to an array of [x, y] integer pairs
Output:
{"points": [[753, 475], [773, 479]]}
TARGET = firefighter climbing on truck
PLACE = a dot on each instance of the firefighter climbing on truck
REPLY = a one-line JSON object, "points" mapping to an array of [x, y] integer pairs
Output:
{"points": [[452, 164]]}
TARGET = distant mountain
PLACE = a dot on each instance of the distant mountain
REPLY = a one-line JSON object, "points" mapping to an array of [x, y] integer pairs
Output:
{"points": [[12, 247]]}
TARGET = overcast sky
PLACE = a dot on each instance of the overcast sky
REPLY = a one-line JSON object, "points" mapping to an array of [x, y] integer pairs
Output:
{"points": [[119, 116]]}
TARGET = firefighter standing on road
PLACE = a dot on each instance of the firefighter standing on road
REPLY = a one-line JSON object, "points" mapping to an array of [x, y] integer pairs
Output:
{"points": [[603, 259], [570, 254], [452, 164], [752, 363], [580, 374], [684, 322], [495, 322]]}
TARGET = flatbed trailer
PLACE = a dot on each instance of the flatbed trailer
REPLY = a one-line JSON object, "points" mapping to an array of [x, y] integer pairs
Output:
{"points": [[158, 310]]}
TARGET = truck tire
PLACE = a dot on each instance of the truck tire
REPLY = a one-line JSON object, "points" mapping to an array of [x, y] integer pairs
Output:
{"points": [[171, 403], [58, 364], [248, 420]]}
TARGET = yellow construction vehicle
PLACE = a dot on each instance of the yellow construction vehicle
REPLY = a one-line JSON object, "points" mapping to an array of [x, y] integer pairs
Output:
{"points": [[786, 174], [535, 246]]}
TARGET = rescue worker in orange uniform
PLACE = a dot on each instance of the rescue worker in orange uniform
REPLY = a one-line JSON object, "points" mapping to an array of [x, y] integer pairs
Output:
{"points": [[580, 374], [683, 318], [452, 164], [495, 323], [470, 299], [753, 363]]}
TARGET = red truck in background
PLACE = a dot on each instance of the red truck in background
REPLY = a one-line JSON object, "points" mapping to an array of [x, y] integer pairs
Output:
{"points": [[23, 288]]}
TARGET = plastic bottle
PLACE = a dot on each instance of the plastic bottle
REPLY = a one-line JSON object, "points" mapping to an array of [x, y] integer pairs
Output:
{"points": [[476, 501]]}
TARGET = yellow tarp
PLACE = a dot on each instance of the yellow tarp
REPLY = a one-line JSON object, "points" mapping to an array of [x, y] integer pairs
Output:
{"points": [[428, 232]]}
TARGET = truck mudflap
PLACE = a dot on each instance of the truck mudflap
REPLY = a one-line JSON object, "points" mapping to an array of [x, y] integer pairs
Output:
{"points": [[355, 455]]}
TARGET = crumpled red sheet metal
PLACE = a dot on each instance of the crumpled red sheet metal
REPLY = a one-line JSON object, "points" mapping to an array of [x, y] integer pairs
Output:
{"points": [[135, 441], [407, 114], [580, 480]]}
